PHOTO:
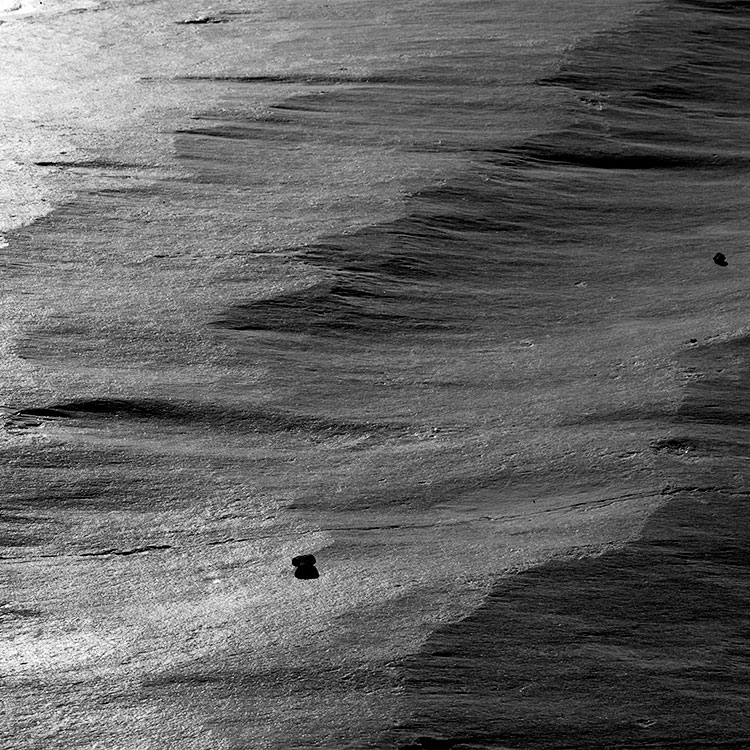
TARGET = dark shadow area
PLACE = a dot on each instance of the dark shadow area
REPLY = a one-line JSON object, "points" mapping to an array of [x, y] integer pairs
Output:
{"points": [[645, 646], [9, 611], [329, 310], [260, 420], [12, 528], [639, 648]]}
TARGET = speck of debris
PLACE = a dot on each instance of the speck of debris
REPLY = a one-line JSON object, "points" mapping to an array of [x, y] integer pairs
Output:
{"points": [[720, 259], [203, 19]]}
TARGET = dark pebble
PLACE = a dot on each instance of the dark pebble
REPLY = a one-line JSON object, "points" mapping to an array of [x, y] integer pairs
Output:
{"points": [[306, 572], [720, 259], [303, 560]]}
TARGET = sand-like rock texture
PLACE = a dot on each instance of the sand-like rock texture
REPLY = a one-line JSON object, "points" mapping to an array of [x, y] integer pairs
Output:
{"points": [[424, 290]]}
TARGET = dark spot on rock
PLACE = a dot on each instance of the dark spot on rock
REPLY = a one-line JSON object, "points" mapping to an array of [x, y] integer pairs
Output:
{"points": [[303, 560], [304, 567], [720, 259], [306, 572]]}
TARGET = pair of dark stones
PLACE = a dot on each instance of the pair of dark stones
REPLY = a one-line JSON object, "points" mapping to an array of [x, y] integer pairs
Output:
{"points": [[304, 567]]}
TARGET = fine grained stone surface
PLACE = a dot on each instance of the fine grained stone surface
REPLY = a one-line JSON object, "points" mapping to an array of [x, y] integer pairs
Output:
{"points": [[345, 277]]}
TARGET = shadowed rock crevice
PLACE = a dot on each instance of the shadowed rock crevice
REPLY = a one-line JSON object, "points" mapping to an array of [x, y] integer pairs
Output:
{"points": [[10, 611], [88, 164], [704, 72], [629, 103], [245, 132], [200, 20], [260, 420], [308, 77], [439, 743], [648, 412], [13, 527], [674, 445], [329, 310], [59, 493], [713, 397], [42, 486], [421, 274], [227, 677], [127, 552], [579, 149]]}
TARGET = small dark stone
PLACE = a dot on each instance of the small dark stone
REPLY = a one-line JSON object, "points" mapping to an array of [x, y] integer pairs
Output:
{"points": [[306, 572], [720, 259], [303, 560]]}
